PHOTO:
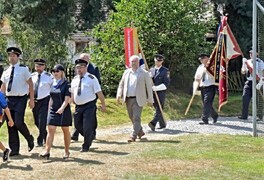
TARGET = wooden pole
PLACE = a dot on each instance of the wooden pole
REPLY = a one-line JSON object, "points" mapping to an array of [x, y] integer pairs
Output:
{"points": [[155, 93], [189, 105]]}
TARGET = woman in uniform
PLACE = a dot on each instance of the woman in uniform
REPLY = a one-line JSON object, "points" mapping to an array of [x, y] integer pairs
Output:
{"points": [[59, 112]]}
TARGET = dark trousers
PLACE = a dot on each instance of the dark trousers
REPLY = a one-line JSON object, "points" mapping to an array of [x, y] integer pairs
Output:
{"points": [[208, 94], [17, 106], [157, 115], [246, 98], [75, 132], [40, 112], [85, 122]]}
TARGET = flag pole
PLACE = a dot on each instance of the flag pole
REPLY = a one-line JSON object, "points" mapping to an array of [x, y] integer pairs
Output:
{"points": [[189, 105], [155, 92]]}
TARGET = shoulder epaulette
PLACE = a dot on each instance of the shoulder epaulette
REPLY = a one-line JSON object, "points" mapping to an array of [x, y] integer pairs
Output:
{"points": [[90, 76], [22, 65], [47, 73]]}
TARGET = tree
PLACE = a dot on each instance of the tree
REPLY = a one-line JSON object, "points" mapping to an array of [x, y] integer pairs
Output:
{"points": [[174, 28]]}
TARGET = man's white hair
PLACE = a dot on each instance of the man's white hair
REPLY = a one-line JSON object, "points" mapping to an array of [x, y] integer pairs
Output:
{"points": [[85, 54], [133, 57]]}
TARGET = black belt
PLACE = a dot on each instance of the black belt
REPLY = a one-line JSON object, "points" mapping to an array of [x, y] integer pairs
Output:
{"points": [[131, 97]]}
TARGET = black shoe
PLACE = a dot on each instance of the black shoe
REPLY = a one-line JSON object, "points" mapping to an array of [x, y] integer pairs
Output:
{"points": [[39, 145], [215, 119], [46, 155], [84, 150], [152, 127], [31, 144], [6, 154], [161, 127], [74, 138], [240, 117], [14, 153], [203, 122]]}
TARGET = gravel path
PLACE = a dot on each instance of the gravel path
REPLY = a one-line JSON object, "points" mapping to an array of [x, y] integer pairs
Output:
{"points": [[225, 125]]}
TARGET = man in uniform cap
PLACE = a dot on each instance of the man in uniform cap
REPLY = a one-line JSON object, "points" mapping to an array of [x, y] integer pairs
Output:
{"points": [[84, 88], [247, 68], [17, 85], [161, 80], [92, 69], [208, 90], [42, 82]]}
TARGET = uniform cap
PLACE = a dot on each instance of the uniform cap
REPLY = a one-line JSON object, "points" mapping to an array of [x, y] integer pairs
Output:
{"points": [[40, 61], [158, 57], [15, 50], [80, 62]]}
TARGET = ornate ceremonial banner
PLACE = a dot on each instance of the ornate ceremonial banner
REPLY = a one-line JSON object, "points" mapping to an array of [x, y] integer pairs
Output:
{"points": [[131, 44]]}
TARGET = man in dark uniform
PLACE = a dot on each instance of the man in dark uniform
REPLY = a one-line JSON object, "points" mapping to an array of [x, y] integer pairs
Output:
{"points": [[42, 82], [92, 69], [17, 83], [161, 79], [84, 88]]}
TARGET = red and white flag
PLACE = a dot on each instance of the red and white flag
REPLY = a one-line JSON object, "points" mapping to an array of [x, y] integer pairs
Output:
{"points": [[226, 49]]}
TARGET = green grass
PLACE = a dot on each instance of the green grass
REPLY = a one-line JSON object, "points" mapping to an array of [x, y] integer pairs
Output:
{"points": [[209, 156]]}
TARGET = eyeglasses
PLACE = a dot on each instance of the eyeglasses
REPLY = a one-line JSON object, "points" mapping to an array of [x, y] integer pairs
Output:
{"points": [[55, 71]]}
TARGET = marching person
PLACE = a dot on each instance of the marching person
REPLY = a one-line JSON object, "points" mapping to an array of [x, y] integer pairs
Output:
{"points": [[42, 82], [247, 68], [135, 89], [161, 79], [3, 106], [60, 112], [92, 69], [84, 88], [17, 84], [208, 90]]}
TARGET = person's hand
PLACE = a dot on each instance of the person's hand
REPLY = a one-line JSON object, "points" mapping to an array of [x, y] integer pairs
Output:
{"points": [[10, 123], [118, 99], [31, 103], [244, 60], [60, 110], [102, 108]]}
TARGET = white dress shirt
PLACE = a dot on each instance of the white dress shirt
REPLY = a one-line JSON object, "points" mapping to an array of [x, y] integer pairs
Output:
{"points": [[204, 77], [46, 80], [89, 87], [20, 78], [132, 83]]}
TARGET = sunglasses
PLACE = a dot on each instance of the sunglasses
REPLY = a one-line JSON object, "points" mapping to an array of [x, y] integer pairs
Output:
{"points": [[55, 71]]}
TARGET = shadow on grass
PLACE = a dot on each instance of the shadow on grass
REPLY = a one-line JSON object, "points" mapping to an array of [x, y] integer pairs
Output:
{"points": [[171, 132], [9, 166], [71, 159], [94, 150], [159, 141], [242, 128], [109, 142]]}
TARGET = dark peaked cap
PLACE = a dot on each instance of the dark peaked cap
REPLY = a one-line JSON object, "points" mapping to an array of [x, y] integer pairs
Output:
{"points": [[201, 56], [80, 62], [15, 50], [40, 61], [159, 57]]}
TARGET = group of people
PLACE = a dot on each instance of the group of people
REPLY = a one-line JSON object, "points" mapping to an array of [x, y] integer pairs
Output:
{"points": [[206, 84], [50, 96]]}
